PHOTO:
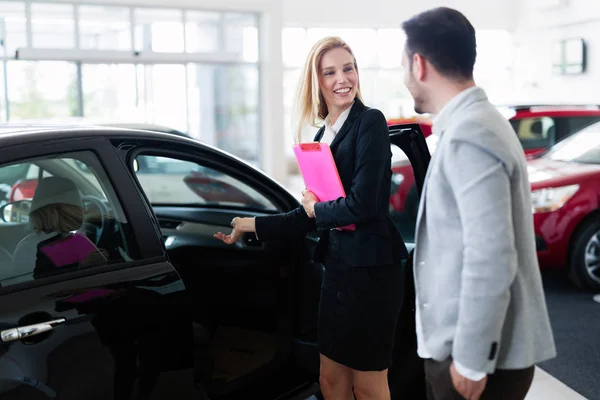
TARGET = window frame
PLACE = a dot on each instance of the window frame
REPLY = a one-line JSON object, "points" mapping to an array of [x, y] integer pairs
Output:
{"points": [[529, 144], [220, 163], [147, 243]]}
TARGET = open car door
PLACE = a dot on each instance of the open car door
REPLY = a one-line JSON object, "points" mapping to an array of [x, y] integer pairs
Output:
{"points": [[409, 166]]}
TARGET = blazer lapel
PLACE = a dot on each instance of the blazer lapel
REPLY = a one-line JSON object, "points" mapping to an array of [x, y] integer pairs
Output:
{"points": [[357, 108], [421, 209]]}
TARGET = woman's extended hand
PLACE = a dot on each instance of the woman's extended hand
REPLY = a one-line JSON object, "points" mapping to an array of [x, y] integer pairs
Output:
{"points": [[308, 202], [240, 226]]}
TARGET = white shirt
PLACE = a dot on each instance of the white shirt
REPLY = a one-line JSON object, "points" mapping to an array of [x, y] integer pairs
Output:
{"points": [[438, 129], [332, 130]]}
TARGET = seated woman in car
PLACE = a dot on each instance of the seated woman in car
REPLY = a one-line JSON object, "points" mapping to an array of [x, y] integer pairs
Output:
{"points": [[57, 210]]}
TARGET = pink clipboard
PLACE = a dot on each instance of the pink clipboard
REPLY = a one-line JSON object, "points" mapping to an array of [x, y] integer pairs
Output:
{"points": [[320, 173]]}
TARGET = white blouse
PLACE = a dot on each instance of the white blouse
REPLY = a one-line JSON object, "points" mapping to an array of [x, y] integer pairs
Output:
{"points": [[332, 130]]}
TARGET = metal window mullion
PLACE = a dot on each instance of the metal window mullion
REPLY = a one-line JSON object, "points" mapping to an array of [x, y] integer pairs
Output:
{"points": [[187, 97], [28, 27], [186, 65], [259, 20], [76, 27], [132, 27], [5, 77], [79, 86], [3, 37], [184, 22]]}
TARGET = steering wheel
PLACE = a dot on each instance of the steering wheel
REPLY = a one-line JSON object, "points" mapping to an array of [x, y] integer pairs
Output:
{"points": [[91, 204]]}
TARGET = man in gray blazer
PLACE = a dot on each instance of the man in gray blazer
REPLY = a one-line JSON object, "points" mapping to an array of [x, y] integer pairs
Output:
{"points": [[481, 316]]}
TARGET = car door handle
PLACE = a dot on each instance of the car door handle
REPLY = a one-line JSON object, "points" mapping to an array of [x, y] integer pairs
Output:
{"points": [[21, 332]]}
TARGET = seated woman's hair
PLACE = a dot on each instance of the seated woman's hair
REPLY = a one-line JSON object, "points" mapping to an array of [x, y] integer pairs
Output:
{"points": [[56, 206]]}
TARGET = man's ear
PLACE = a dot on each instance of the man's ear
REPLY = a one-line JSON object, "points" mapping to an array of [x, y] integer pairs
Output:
{"points": [[419, 66]]}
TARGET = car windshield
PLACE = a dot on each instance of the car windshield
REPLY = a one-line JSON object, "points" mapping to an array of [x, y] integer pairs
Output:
{"points": [[581, 147]]}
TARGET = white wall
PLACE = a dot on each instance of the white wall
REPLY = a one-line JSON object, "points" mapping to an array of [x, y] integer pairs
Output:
{"points": [[539, 26], [483, 14]]}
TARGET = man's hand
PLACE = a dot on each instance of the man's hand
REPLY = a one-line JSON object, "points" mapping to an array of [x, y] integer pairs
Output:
{"points": [[470, 390], [308, 202]]}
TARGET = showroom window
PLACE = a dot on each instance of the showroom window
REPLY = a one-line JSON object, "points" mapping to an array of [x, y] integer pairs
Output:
{"points": [[195, 71]]}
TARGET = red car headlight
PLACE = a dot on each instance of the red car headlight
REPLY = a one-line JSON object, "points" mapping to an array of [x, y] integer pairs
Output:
{"points": [[551, 199]]}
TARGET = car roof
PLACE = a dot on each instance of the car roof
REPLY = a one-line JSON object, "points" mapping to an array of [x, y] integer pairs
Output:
{"points": [[23, 133], [11, 127], [543, 108]]}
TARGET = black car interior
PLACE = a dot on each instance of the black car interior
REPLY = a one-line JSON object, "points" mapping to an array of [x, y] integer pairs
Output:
{"points": [[253, 301]]}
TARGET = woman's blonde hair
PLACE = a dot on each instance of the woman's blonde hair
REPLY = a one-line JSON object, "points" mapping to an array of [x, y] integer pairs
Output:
{"points": [[56, 217], [311, 104]]}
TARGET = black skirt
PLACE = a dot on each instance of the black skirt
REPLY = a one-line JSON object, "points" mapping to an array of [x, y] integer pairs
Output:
{"points": [[358, 312]]}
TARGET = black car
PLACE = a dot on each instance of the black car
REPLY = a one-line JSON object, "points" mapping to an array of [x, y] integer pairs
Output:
{"points": [[145, 303]]}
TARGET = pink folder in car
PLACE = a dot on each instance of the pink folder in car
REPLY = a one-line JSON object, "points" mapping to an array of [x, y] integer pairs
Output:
{"points": [[320, 173]]}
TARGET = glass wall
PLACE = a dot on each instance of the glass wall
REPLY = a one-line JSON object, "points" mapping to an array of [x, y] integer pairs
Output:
{"points": [[199, 73]]}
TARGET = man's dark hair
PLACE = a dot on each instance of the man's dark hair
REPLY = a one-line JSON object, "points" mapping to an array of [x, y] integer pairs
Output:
{"points": [[444, 37]]}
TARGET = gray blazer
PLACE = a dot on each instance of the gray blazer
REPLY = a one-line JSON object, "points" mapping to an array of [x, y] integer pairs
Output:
{"points": [[479, 291]]}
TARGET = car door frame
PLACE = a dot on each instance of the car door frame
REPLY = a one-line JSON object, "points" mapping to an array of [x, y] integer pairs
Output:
{"points": [[130, 147], [172, 147], [410, 139], [406, 376]]}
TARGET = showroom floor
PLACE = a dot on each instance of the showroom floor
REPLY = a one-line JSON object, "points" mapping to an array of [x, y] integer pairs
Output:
{"points": [[573, 374]]}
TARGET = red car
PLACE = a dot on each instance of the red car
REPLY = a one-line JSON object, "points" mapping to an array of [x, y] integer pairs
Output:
{"points": [[538, 128], [565, 187], [565, 184]]}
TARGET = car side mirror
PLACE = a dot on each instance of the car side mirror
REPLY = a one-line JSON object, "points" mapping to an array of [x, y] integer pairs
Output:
{"points": [[17, 212]]}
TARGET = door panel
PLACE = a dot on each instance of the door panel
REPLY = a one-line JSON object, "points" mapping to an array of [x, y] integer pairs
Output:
{"points": [[241, 294], [407, 380], [107, 346], [115, 319]]}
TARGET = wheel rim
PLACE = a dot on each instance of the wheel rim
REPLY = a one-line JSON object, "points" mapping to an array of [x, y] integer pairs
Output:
{"points": [[592, 257]]}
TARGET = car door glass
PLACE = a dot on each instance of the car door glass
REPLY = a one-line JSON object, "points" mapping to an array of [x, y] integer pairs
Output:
{"points": [[60, 214], [170, 181], [535, 133], [404, 197]]}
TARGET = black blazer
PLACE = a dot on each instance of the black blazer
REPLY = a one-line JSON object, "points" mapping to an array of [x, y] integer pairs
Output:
{"points": [[362, 154]]}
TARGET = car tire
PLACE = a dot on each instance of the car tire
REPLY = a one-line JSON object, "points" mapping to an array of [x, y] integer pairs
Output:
{"points": [[586, 242]]}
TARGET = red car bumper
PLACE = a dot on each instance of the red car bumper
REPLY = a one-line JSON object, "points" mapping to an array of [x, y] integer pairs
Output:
{"points": [[553, 234]]}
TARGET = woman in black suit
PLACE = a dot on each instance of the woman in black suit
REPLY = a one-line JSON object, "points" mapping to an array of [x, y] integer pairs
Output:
{"points": [[362, 290]]}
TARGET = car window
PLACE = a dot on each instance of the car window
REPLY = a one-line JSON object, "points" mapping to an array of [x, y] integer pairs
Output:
{"points": [[171, 181], [61, 214], [577, 123], [404, 199], [535, 133]]}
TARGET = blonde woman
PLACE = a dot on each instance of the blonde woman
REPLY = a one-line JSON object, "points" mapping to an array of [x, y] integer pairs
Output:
{"points": [[57, 216], [362, 288]]}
